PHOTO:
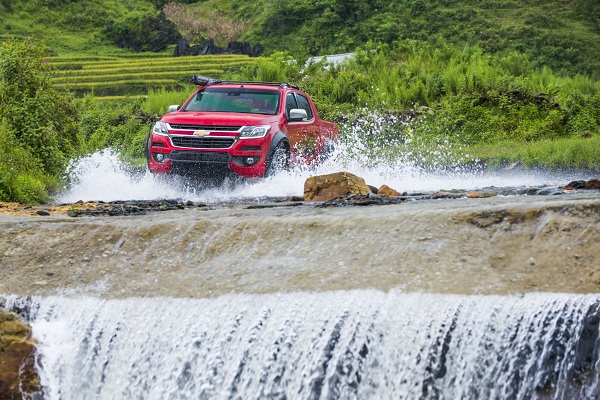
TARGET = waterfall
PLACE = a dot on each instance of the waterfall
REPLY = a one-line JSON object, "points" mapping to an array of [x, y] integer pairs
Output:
{"points": [[363, 344]]}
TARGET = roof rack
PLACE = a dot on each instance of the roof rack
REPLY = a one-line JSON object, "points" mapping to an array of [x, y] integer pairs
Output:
{"points": [[206, 81]]}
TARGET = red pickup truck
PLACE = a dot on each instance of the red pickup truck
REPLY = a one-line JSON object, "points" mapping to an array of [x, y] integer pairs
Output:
{"points": [[249, 128]]}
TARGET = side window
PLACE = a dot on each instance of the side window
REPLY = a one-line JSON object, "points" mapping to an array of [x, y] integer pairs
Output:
{"points": [[305, 105], [290, 102]]}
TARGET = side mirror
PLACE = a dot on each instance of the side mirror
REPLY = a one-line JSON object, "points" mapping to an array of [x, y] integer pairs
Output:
{"points": [[173, 108], [298, 114]]}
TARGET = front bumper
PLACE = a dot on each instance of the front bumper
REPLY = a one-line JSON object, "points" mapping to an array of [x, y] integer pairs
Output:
{"points": [[245, 157]]}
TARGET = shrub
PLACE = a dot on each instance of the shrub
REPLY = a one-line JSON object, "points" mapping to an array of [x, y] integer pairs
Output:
{"points": [[38, 122], [143, 32]]}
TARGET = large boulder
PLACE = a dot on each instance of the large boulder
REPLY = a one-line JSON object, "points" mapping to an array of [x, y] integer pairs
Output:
{"points": [[334, 186], [18, 376]]}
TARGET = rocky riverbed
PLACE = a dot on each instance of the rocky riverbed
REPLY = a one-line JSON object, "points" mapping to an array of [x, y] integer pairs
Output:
{"points": [[375, 196]]}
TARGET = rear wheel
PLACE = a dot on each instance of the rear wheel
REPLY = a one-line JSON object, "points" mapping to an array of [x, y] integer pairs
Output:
{"points": [[279, 159]]}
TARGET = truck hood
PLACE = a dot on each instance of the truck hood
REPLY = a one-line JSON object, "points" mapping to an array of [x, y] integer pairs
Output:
{"points": [[219, 118]]}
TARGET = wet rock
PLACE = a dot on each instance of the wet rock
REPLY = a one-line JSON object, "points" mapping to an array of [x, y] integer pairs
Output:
{"points": [[132, 207], [575, 185], [273, 205], [334, 186], [361, 200], [18, 376], [288, 199], [385, 190], [475, 195], [529, 191], [593, 184], [447, 195], [548, 192]]}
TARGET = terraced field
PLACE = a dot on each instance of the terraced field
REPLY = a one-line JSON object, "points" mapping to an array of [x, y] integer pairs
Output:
{"points": [[110, 76]]}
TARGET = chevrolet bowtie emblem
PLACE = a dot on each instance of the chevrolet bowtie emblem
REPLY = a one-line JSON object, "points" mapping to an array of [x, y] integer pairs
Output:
{"points": [[201, 133]]}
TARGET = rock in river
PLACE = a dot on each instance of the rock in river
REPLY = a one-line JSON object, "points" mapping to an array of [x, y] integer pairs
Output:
{"points": [[334, 186], [18, 376]]}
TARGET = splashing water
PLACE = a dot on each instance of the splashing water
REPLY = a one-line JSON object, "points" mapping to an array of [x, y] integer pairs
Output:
{"points": [[370, 148], [334, 345]]}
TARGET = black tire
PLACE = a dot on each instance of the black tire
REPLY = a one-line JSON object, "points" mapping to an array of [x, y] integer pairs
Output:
{"points": [[279, 159], [147, 146], [148, 154]]}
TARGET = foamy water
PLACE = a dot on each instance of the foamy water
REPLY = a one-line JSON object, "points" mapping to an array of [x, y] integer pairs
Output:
{"points": [[333, 345], [365, 151]]}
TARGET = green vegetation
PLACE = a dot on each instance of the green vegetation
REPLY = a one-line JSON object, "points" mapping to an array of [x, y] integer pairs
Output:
{"points": [[38, 132], [72, 27], [498, 81], [555, 34], [466, 99]]}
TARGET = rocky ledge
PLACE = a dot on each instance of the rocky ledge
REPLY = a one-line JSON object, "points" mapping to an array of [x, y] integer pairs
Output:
{"points": [[18, 376]]}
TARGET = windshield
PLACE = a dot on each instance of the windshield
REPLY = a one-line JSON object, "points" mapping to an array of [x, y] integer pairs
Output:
{"points": [[239, 100]]}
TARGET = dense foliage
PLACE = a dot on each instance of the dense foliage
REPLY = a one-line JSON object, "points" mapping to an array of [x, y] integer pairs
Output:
{"points": [[562, 36], [555, 34], [86, 25], [143, 32], [467, 92], [38, 132]]}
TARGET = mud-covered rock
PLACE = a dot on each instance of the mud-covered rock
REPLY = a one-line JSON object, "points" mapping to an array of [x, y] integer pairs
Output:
{"points": [[574, 185], [334, 186], [18, 375], [593, 184]]}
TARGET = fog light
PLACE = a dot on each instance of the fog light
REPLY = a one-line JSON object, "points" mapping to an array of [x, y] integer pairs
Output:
{"points": [[250, 160], [160, 157]]}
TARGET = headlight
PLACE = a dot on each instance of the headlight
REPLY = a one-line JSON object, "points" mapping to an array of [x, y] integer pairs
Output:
{"points": [[161, 128], [254, 131]]}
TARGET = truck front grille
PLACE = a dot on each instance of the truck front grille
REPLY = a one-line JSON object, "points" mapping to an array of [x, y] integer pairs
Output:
{"points": [[210, 128], [206, 142]]}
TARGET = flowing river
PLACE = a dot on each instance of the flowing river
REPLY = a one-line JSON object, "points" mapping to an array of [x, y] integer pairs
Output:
{"points": [[495, 298]]}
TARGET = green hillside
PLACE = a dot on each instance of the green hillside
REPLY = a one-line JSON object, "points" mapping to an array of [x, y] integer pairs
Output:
{"points": [[126, 75], [561, 35], [70, 26], [554, 33]]}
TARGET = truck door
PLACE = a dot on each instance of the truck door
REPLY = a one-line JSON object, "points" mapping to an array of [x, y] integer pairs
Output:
{"points": [[303, 135]]}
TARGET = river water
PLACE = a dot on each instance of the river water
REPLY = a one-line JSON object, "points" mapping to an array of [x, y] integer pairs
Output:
{"points": [[492, 298], [332, 345]]}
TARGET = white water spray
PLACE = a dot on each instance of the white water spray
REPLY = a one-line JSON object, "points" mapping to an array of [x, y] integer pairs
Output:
{"points": [[368, 149]]}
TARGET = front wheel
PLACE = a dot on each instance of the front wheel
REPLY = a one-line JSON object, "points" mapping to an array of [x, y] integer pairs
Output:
{"points": [[279, 159]]}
